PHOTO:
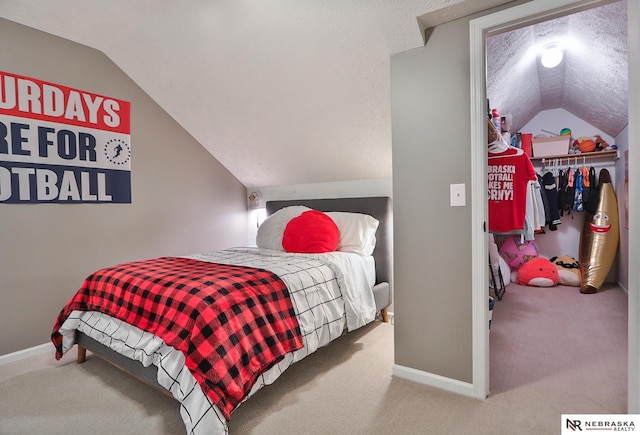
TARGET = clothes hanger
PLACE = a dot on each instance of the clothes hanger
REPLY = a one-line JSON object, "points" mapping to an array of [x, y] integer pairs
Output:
{"points": [[498, 146]]}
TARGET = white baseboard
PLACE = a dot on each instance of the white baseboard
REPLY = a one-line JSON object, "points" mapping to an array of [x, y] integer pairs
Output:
{"points": [[433, 380], [26, 353]]}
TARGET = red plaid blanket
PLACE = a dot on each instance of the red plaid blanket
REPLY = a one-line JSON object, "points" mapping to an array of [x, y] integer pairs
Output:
{"points": [[231, 322]]}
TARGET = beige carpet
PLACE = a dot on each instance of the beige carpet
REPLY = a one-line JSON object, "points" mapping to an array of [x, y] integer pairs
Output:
{"points": [[553, 351], [545, 337]]}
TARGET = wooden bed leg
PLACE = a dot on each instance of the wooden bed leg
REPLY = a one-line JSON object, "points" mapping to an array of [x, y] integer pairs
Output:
{"points": [[82, 354], [384, 315]]}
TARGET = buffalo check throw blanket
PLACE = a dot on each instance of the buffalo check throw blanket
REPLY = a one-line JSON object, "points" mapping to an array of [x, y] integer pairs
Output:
{"points": [[232, 323]]}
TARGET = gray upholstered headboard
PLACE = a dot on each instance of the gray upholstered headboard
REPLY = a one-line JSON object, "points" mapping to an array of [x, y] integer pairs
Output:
{"points": [[379, 207]]}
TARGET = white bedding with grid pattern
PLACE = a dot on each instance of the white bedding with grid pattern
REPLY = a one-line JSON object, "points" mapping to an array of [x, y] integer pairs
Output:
{"points": [[330, 293]]}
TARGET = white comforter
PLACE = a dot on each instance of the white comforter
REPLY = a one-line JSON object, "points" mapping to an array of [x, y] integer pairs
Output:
{"points": [[356, 275], [330, 293]]}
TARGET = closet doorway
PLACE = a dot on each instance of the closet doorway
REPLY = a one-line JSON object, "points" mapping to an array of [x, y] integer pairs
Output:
{"points": [[514, 19]]}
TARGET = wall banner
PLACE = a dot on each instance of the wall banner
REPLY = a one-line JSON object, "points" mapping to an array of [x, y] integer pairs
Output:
{"points": [[62, 145]]}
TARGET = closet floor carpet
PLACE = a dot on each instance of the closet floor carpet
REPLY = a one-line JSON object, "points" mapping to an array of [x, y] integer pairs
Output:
{"points": [[566, 347]]}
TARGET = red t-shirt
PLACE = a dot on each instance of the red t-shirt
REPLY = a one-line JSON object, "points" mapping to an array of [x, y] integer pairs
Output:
{"points": [[509, 173]]}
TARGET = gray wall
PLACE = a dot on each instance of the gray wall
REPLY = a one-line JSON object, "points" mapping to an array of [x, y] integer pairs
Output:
{"points": [[184, 201], [430, 100]]}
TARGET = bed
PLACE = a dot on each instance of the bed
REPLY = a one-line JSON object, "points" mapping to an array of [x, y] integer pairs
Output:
{"points": [[294, 303]]}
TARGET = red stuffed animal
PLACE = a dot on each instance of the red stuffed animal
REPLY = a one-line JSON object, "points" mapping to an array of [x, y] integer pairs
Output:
{"points": [[538, 272]]}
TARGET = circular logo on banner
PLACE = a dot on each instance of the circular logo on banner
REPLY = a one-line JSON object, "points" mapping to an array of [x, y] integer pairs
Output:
{"points": [[117, 151]]}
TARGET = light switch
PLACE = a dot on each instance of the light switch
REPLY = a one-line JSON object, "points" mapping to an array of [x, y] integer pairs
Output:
{"points": [[458, 198]]}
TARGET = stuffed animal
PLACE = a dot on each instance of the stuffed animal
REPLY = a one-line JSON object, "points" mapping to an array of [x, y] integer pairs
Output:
{"points": [[601, 144], [516, 254], [568, 270], [538, 272]]}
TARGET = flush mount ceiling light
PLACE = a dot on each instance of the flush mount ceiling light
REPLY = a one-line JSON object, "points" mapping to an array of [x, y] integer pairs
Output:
{"points": [[551, 55]]}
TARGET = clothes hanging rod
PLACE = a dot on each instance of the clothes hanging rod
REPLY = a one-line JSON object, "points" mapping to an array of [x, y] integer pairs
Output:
{"points": [[613, 154]]}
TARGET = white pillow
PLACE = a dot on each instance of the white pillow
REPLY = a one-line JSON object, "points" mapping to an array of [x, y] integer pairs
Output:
{"points": [[271, 230], [357, 231]]}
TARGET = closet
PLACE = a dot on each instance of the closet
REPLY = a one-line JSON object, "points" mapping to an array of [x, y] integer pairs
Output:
{"points": [[560, 93], [546, 203], [558, 111]]}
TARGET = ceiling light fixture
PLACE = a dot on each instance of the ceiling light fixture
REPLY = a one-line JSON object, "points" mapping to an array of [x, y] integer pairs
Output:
{"points": [[551, 55]]}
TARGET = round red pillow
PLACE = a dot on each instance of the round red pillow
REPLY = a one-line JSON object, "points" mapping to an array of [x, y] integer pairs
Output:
{"points": [[313, 232]]}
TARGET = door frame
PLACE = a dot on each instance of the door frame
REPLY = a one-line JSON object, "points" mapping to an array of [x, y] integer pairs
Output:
{"points": [[505, 20]]}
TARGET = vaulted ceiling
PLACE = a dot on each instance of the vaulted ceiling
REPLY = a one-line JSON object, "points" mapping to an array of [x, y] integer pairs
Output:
{"points": [[298, 92], [591, 82]]}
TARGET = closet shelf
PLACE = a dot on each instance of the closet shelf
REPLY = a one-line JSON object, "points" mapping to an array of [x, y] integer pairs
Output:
{"points": [[613, 154]]}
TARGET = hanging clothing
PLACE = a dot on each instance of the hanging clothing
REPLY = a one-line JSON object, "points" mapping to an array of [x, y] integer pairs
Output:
{"points": [[545, 200], [563, 182], [586, 185], [570, 191], [590, 194], [577, 199], [509, 174], [532, 222], [539, 200], [550, 188]]}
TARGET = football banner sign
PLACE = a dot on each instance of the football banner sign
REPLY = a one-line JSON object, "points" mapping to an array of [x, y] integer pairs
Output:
{"points": [[62, 145]]}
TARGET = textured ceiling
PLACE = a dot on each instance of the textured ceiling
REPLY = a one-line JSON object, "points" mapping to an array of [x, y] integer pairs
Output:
{"points": [[591, 82], [280, 92], [292, 92]]}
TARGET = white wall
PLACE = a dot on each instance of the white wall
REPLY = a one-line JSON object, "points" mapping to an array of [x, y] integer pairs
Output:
{"points": [[555, 120], [338, 189]]}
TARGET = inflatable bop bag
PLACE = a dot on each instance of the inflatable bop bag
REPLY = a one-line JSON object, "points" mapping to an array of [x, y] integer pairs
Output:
{"points": [[599, 241]]}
